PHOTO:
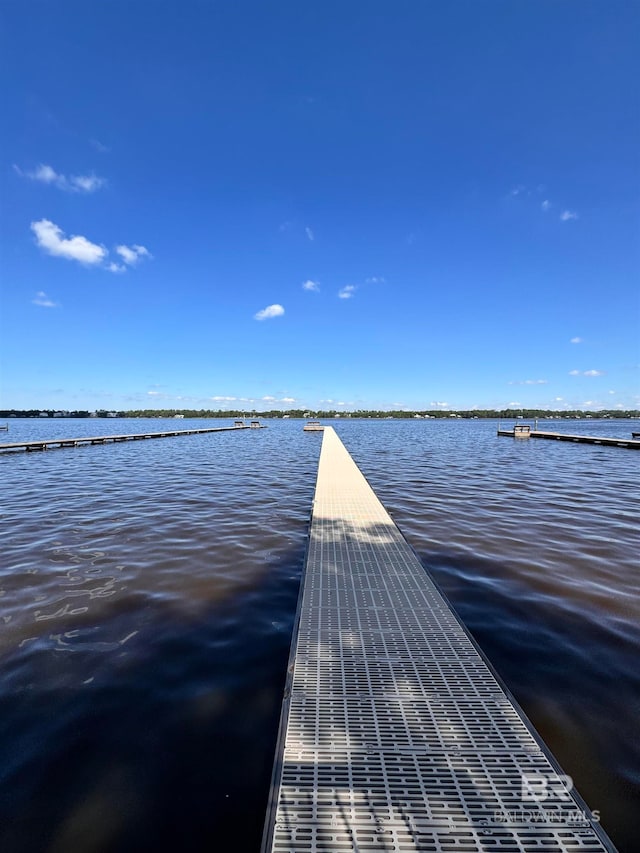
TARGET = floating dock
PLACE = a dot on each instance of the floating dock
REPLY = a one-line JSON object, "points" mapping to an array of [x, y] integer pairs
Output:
{"points": [[55, 443], [521, 431], [396, 735]]}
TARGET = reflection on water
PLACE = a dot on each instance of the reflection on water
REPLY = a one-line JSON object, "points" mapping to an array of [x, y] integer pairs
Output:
{"points": [[149, 590]]}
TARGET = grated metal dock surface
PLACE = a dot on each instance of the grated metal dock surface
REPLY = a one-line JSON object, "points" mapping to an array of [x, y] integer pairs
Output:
{"points": [[395, 733]]}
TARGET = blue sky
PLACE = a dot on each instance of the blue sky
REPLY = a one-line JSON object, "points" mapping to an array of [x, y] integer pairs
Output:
{"points": [[348, 205]]}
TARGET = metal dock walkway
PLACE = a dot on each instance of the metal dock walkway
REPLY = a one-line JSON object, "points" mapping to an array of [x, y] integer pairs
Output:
{"points": [[83, 441], [605, 441], [395, 733]]}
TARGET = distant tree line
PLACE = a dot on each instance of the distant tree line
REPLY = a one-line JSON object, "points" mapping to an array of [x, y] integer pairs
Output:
{"points": [[328, 413]]}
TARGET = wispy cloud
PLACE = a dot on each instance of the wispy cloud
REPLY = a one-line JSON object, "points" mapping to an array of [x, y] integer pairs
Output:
{"points": [[43, 300], [521, 189], [529, 382], [439, 403], [268, 399], [50, 238], [311, 285], [99, 147], [310, 234], [131, 255], [288, 400], [46, 174], [268, 312], [347, 291], [376, 279], [219, 399], [586, 373], [576, 340], [86, 183], [546, 204]]}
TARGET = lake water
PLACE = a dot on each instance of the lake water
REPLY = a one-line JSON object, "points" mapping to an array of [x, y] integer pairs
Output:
{"points": [[148, 592]]}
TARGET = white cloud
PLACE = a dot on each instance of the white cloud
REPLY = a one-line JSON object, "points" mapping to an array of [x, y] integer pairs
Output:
{"points": [[310, 234], [46, 174], [558, 399], [268, 399], [311, 285], [347, 292], [288, 400], [153, 393], [439, 403], [518, 190], [43, 300], [546, 205], [574, 373], [132, 254], [576, 340], [586, 373], [374, 280], [51, 239], [530, 382], [86, 183], [514, 403], [567, 215], [269, 311], [219, 399]]}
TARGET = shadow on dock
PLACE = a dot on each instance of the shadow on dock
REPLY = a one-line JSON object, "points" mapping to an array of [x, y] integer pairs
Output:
{"points": [[396, 733]]}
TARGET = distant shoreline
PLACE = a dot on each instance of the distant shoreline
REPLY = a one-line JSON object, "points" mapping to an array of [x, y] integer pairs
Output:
{"points": [[416, 414]]}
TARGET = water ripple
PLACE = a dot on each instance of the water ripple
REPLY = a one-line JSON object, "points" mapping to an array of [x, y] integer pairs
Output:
{"points": [[149, 590]]}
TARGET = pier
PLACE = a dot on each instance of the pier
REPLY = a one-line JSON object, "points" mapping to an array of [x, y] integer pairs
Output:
{"points": [[523, 431], [396, 734], [56, 443]]}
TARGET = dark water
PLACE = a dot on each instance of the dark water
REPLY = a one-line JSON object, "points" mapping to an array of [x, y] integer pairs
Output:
{"points": [[148, 591]]}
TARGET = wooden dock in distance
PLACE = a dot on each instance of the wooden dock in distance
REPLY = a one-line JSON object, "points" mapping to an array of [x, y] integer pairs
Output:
{"points": [[55, 443], [395, 732], [519, 431]]}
